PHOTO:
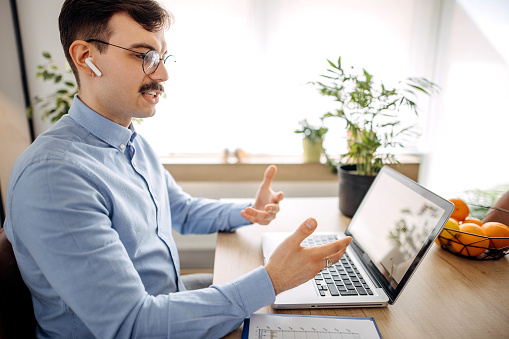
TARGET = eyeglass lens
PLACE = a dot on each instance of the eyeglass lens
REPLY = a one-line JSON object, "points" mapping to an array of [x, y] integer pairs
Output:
{"points": [[151, 61]]}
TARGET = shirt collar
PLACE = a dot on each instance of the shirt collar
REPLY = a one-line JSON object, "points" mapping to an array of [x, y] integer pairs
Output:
{"points": [[108, 131]]}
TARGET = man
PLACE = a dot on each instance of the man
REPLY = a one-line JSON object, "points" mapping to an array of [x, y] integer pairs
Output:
{"points": [[90, 209]]}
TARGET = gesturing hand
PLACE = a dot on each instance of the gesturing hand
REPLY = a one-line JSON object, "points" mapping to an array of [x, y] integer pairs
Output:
{"points": [[266, 203], [292, 265]]}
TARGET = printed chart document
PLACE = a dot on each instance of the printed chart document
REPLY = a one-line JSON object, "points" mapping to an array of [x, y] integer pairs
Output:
{"points": [[284, 326]]}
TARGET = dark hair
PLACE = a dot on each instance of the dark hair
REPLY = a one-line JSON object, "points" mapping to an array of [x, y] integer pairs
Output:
{"points": [[88, 19]]}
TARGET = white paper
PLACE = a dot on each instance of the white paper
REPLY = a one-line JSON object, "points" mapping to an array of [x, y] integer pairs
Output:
{"points": [[282, 326]]}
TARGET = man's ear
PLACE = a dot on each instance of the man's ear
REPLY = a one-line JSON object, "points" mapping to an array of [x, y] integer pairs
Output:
{"points": [[80, 51]]}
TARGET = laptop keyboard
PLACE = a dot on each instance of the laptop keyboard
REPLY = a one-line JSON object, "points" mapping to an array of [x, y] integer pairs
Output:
{"points": [[342, 278]]}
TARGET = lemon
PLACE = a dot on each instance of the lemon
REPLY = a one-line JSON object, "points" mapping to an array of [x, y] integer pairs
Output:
{"points": [[446, 235]]}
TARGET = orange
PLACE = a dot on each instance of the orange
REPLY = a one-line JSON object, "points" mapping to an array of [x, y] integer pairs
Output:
{"points": [[470, 244], [473, 220], [461, 210], [497, 229], [446, 235]]}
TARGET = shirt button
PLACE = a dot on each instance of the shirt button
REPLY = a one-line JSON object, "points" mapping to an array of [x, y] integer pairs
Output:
{"points": [[134, 164], [122, 146]]}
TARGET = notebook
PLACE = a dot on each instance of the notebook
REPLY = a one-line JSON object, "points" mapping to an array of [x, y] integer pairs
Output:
{"points": [[392, 230]]}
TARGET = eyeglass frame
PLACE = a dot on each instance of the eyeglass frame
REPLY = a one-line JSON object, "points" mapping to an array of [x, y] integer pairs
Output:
{"points": [[143, 55]]}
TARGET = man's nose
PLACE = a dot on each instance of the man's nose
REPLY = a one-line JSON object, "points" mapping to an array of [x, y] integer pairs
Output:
{"points": [[161, 73]]}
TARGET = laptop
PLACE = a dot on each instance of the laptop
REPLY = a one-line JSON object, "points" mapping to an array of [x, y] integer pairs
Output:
{"points": [[393, 229]]}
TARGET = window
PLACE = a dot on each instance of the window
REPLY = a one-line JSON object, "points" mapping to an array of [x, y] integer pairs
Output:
{"points": [[243, 68], [467, 135]]}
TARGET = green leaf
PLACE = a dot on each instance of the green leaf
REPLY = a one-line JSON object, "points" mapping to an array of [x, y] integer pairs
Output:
{"points": [[47, 55], [326, 76], [332, 64], [419, 88]]}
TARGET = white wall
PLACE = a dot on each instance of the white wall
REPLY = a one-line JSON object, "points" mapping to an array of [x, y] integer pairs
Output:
{"points": [[39, 31], [38, 22], [37, 34], [14, 130], [10, 79]]}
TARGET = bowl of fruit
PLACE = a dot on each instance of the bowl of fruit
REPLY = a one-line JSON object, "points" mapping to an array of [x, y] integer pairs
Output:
{"points": [[473, 238]]}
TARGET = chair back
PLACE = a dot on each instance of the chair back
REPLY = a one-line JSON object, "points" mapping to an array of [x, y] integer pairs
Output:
{"points": [[16, 310]]}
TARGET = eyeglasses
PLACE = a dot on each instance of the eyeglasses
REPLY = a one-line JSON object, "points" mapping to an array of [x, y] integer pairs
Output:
{"points": [[150, 59]]}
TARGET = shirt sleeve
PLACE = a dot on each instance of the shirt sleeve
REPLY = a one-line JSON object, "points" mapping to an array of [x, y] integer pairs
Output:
{"points": [[220, 309], [69, 252], [202, 215]]}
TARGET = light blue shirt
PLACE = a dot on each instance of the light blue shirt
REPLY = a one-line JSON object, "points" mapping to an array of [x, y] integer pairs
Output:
{"points": [[90, 211]]}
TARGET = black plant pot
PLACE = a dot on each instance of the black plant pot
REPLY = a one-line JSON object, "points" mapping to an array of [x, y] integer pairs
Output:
{"points": [[352, 189]]}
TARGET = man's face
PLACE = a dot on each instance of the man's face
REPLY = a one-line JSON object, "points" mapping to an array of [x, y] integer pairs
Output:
{"points": [[124, 91]]}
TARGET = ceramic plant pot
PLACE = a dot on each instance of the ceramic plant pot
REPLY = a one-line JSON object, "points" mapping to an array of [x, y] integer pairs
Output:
{"points": [[312, 151], [352, 189]]}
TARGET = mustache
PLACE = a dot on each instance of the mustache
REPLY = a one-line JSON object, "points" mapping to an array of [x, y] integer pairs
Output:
{"points": [[155, 86]]}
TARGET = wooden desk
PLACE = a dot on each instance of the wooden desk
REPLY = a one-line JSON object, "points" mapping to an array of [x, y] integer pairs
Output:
{"points": [[448, 296]]}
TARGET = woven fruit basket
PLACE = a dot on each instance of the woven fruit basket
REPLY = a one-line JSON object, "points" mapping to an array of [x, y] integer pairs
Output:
{"points": [[478, 248], [474, 246]]}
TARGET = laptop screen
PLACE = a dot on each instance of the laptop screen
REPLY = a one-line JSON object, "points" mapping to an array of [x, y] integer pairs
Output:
{"points": [[394, 227]]}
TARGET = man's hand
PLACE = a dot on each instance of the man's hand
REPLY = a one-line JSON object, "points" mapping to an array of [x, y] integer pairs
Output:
{"points": [[292, 265], [266, 203]]}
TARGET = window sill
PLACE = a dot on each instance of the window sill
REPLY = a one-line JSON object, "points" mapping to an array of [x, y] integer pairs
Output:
{"points": [[202, 168]]}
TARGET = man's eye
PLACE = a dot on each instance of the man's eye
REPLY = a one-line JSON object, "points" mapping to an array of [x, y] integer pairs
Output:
{"points": [[140, 56]]}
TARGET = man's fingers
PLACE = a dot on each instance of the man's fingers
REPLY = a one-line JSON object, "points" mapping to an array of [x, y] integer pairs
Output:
{"points": [[333, 249], [291, 264], [272, 208], [270, 172], [278, 197], [335, 258], [303, 231]]}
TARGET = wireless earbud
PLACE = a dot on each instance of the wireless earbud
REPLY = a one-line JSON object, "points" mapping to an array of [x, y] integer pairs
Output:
{"points": [[93, 67]]}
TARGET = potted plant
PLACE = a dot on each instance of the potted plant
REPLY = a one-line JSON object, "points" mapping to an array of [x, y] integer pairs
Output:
{"points": [[57, 104], [312, 141], [371, 113]]}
